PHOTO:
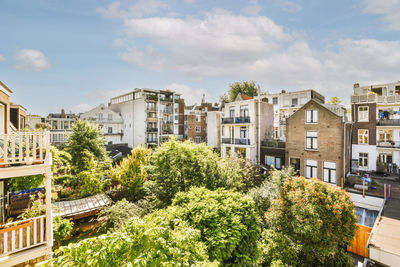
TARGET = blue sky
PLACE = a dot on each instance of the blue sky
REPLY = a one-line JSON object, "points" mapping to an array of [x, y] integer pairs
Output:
{"points": [[77, 54]]}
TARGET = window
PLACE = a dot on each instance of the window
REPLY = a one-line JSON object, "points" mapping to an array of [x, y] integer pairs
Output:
{"points": [[275, 100], [330, 172], [198, 129], [244, 111], [198, 139], [363, 160], [312, 140], [311, 168], [273, 162], [276, 132], [110, 117], [295, 164], [100, 116], [294, 102], [198, 118], [109, 130], [363, 113], [311, 116], [232, 112], [243, 132], [385, 135], [151, 106], [362, 137]]}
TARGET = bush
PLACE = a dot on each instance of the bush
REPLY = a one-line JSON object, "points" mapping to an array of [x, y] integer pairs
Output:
{"points": [[118, 214], [26, 182], [66, 180], [131, 172], [61, 228], [142, 243], [89, 183], [319, 217], [227, 221], [61, 161], [37, 208], [176, 166]]}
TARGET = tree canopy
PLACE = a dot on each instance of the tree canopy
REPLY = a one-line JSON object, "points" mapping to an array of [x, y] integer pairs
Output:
{"points": [[249, 88], [335, 100]]}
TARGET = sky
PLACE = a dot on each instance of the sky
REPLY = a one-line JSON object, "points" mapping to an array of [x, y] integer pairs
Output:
{"points": [[78, 54]]}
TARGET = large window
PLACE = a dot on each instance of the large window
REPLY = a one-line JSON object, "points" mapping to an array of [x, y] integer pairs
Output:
{"points": [[271, 161], [363, 113], [198, 129], [330, 172], [311, 168], [363, 160], [295, 164], [243, 132], [198, 139], [294, 102], [385, 135], [362, 137], [232, 112], [275, 100], [312, 140], [311, 116], [244, 111], [109, 130]]}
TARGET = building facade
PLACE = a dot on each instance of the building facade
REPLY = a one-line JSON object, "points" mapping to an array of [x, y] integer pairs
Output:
{"points": [[61, 126], [318, 143], [214, 129], [376, 135], [5, 93], [150, 116], [18, 116], [244, 123], [109, 122], [287, 103]]}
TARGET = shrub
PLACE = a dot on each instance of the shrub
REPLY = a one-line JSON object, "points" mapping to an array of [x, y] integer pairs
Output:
{"points": [[227, 221], [26, 182], [61, 228], [118, 214], [318, 216], [61, 161], [66, 180], [176, 166], [89, 183], [131, 172], [37, 208], [142, 243]]}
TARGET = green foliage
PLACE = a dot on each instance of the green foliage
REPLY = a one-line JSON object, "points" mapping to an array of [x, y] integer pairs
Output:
{"points": [[66, 180], [42, 126], [335, 100], [37, 208], [86, 137], [177, 166], [249, 88], [89, 183], [118, 214], [131, 172], [61, 228], [61, 161], [316, 215], [227, 220], [25, 182], [240, 173], [144, 242]]}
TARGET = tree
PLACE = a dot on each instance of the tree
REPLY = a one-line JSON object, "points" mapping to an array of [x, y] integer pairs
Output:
{"points": [[86, 136], [335, 100], [249, 88], [320, 218], [227, 221], [176, 166], [25, 182], [143, 242], [131, 172], [61, 161], [41, 126]]}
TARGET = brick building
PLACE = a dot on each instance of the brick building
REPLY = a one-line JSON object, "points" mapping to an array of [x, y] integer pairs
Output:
{"points": [[318, 142]]}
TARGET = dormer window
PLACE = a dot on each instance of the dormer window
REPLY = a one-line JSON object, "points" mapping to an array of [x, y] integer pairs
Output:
{"points": [[311, 116]]}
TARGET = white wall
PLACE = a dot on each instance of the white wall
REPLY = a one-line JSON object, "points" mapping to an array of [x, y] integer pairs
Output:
{"points": [[213, 128], [139, 122], [372, 155]]}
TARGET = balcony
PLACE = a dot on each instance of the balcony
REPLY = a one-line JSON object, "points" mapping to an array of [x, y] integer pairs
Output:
{"points": [[388, 144], [236, 141], [374, 98], [393, 122], [152, 97], [167, 99], [152, 130], [273, 144], [151, 110], [232, 120], [151, 141]]}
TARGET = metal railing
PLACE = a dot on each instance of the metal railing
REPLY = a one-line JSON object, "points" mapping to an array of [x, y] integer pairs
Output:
{"points": [[231, 120], [22, 235], [273, 143], [152, 130], [236, 141], [384, 122], [24, 148]]}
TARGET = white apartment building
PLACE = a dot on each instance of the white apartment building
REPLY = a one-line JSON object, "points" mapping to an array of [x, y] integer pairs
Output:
{"points": [[149, 116], [376, 131], [287, 103], [213, 119], [32, 120], [245, 122], [109, 121], [61, 126]]}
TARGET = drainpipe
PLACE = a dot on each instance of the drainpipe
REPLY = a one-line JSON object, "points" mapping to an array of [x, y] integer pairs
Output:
{"points": [[259, 128], [344, 147]]}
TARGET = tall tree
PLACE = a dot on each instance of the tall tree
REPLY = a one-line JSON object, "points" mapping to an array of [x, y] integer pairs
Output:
{"points": [[249, 88], [335, 100]]}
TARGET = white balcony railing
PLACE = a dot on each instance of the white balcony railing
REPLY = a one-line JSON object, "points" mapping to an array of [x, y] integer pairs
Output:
{"points": [[373, 98], [22, 235], [24, 148]]}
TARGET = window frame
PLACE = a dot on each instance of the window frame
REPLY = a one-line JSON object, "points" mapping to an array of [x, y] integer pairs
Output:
{"points": [[313, 139], [364, 136], [198, 129], [362, 112], [312, 169], [313, 116], [365, 158], [330, 179]]}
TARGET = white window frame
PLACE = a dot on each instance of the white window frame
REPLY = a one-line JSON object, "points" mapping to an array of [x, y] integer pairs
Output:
{"points": [[312, 116], [363, 118], [365, 159], [364, 136], [198, 129], [311, 168], [329, 172], [311, 140], [198, 139]]}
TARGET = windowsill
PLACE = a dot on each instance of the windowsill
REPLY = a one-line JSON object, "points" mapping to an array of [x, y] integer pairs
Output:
{"points": [[362, 121], [363, 144], [311, 149], [311, 122]]}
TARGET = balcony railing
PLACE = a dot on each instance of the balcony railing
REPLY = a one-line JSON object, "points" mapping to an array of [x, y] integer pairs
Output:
{"points": [[166, 99], [231, 120], [236, 141], [389, 144], [152, 97], [394, 122], [152, 130], [22, 235], [151, 141], [273, 143], [24, 148], [373, 98]]}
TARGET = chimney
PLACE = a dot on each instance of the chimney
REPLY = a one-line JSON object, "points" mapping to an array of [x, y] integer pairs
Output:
{"points": [[283, 92], [356, 85]]}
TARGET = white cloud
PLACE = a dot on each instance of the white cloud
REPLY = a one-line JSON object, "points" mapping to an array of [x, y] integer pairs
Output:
{"points": [[291, 6], [31, 60], [2, 58], [191, 95], [105, 95], [253, 9], [139, 9], [389, 9]]}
